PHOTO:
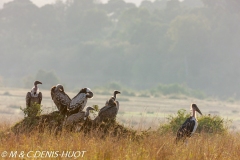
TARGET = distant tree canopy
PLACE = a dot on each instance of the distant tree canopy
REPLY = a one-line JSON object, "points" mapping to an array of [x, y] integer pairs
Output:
{"points": [[48, 78], [193, 42]]}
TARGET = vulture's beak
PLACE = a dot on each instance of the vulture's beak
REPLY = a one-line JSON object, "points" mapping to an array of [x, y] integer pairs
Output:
{"points": [[90, 108], [117, 92], [37, 82]]}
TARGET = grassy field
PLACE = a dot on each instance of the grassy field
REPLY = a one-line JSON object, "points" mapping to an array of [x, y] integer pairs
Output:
{"points": [[135, 112], [151, 147]]}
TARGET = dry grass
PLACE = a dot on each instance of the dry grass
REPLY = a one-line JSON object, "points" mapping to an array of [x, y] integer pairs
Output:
{"points": [[150, 147]]}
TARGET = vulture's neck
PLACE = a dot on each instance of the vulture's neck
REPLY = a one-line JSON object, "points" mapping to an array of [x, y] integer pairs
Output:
{"points": [[87, 112]]}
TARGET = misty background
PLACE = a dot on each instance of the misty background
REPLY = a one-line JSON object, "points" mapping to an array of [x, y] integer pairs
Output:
{"points": [[86, 43]]}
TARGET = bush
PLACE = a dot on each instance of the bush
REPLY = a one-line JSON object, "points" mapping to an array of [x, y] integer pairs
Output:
{"points": [[206, 123], [177, 89], [172, 89], [212, 124], [33, 111], [7, 93], [144, 95], [128, 93], [174, 122], [114, 86], [108, 89], [48, 78], [198, 94]]}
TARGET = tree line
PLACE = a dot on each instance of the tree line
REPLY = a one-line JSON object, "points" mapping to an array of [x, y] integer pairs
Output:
{"points": [[88, 43]]}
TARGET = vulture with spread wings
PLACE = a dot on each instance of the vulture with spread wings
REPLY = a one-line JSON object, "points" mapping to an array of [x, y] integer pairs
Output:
{"points": [[78, 103]]}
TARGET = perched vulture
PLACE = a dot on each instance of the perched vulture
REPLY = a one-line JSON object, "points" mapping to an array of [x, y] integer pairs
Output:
{"points": [[78, 103], [34, 96], [109, 111], [77, 118], [189, 126], [60, 98]]}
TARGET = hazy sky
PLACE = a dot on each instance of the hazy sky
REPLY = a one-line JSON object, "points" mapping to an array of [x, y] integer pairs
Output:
{"points": [[42, 2]]}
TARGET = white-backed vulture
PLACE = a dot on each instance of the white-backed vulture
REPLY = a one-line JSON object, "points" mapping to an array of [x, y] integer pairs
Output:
{"points": [[34, 96], [109, 111], [60, 98], [78, 103], [77, 118]]}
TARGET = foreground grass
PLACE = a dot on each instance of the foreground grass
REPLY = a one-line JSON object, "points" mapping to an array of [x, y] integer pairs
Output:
{"points": [[151, 147]]}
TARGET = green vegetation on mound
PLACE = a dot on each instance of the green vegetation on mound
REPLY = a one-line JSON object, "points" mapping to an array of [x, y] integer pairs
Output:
{"points": [[33, 111]]}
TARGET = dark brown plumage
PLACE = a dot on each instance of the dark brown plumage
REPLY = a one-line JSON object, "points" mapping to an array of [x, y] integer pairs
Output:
{"points": [[77, 119], [109, 111], [34, 96], [60, 98]]}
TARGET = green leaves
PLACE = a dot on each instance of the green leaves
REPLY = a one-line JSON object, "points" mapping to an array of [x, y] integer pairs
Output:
{"points": [[206, 123], [32, 111], [212, 124]]}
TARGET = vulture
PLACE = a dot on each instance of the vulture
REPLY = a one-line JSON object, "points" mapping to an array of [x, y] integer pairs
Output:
{"points": [[60, 98], [77, 117], [189, 126], [78, 103], [34, 96], [109, 111]]}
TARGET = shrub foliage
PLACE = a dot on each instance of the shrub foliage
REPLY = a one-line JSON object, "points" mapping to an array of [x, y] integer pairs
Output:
{"points": [[33, 111], [206, 123]]}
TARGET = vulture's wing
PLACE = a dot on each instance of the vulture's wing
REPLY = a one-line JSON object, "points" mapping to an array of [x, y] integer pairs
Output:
{"points": [[40, 97], [108, 112], [28, 99], [103, 109], [74, 118], [78, 103], [60, 98], [106, 103], [110, 107], [117, 105], [53, 92]]}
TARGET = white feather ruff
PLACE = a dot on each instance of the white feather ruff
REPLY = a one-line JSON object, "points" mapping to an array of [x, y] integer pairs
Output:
{"points": [[195, 126], [32, 92]]}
